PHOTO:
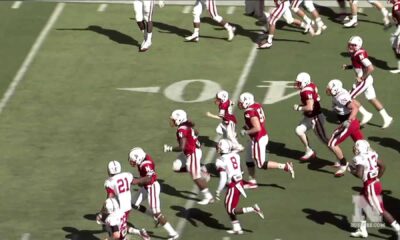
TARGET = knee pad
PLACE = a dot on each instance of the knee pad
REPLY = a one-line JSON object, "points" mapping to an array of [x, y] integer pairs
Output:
{"points": [[309, 6], [217, 18], [300, 130], [250, 164]]}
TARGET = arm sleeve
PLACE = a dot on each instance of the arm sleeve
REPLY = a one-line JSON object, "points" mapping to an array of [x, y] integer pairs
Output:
{"points": [[222, 180]]}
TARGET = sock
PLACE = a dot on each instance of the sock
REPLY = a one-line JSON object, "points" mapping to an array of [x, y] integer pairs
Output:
{"points": [[236, 225], [395, 225], [319, 22], [354, 18], [171, 231], [227, 26], [281, 166], [363, 225], [134, 231], [196, 31], [248, 209], [343, 162], [303, 25], [308, 149], [384, 12], [307, 19], [363, 111], [206, 193], [149, 35], [270, 36], [384, 113]]}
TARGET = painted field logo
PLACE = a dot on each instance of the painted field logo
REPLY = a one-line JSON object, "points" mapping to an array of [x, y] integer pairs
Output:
{"points": [[361, 206]]}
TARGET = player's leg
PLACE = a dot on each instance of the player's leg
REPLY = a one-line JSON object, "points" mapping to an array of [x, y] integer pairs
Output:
{"points": [[212, 10], [231, 135], [139, 197], [301, 129], [338, 136], [197, 10], [370, 95], [148, 7], [138, 9], [231, 201], [273, 18], [319, 129], [309, 4], [194, 169], [357, 90], [353, 21], [383, 10]]}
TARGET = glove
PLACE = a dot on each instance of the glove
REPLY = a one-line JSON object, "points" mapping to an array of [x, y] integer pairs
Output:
{"points": [[217, 195], [346, 124], [167, 148], [243, 132], [99, 219], [161, 3], [297, 107]]}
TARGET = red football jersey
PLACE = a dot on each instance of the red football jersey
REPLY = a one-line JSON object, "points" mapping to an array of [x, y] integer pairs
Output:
{"points": [[396, 13], [311, 92], [357, 57], [255, 110], [147, 168], [185, 130], [226, 111]]}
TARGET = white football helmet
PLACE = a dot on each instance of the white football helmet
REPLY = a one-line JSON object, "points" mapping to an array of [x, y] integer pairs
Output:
{"points": [[179, 116], [246, 99], [137, 155], [361, 147], [222, 96], [354, 43], [111, 205], [114, 167], [224, 146], [334, 87], [302, 80]]}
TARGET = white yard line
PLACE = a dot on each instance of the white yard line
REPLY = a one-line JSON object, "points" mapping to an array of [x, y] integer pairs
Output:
{"points": [[26, 236], [16, 4], [186, 9], [230, 10], [31, 55], [102, 7], [211, 153]]}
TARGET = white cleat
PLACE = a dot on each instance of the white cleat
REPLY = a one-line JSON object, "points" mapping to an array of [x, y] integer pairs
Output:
{"points": [[145, 46], [386, 21], [309, 29], [366, 118], [265, 45], [206, 201], [251, 184], [387, 122], [173, 237], [359, 233], [144, 234], [341, 171], [236, 232], [289, 168], [308, 155], [193, 38], [351, 23], [231, 33], [258, 210], [396, 71]]}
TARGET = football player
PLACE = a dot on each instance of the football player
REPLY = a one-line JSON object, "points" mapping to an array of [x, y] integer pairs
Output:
{"points": [[115, 221], [188, 143], [212, 10], [118, 186], [346, 110], [395, 38], [282, 9], [255, 128], [369, 168], [309, 4], [144, 19], [311, 108], [227, 127], [353, 21], [363, 69], [230, 175], [149, 188]]}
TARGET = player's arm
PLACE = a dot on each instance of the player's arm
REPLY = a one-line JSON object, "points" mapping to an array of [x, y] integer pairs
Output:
{"points": [[141, 181], [305, 108], [210, 115], [368, 69], [347, 66], [382, 168], [256, 125], [357, 171]]}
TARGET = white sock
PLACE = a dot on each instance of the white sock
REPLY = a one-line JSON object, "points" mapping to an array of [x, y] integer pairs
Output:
{"points": [[354, 18], [308, 149], [134, 231], [363, 111], [384, 114], [236, 225], [319, 22], [384, 12], [307, 19], [248, 209], [227, 26], [270, 37], [196, 31], [171, 231], [206, 193], [363, 225], [395, 225], [303, 25]]}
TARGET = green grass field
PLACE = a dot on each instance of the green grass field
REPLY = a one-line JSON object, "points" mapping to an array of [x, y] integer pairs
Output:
{"points": [[66, 119]]}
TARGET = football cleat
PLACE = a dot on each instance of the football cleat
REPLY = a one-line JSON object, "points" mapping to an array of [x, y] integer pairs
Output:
{"points": [[231, 33], [144, 234], [351, 23], [387, 122], [251, 184], [173, 237], [308, 155], [264, 45], [360, 233], [386, 21], [258, 210], [236, 232], [309, 29], [192, 38], [206, 201], [366, 118], [342, 170], [289, 168], [145, 46]]}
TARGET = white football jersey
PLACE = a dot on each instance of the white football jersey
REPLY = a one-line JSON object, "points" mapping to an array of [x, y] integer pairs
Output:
{"points": [[120, 186], [230, 163], [370, 163], [339, 102], [118, 219]]}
